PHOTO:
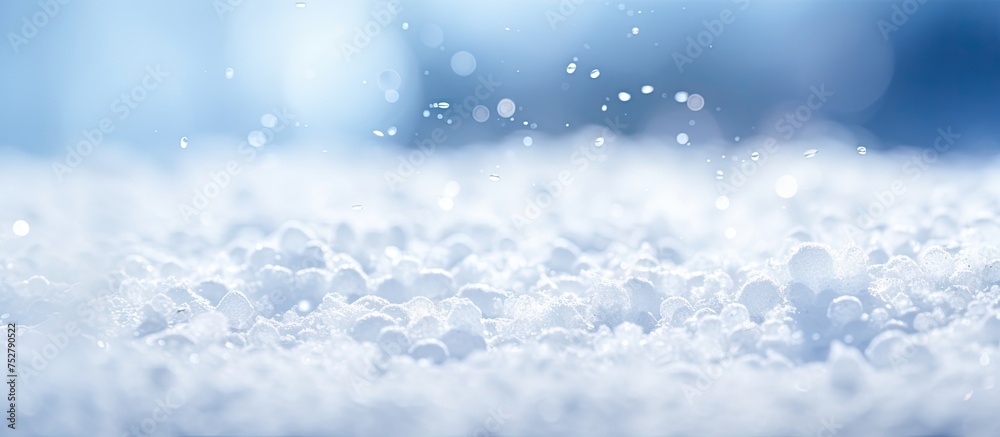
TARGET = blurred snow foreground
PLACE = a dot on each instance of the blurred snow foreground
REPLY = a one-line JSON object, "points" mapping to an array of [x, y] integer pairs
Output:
{"points": [[308, 298]]}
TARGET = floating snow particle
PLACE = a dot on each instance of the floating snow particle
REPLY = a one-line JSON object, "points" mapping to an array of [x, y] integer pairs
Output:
{"points": [[695, 102], [506, 108], [406, 26], [680, 97], [722, 203], [446, 203], [635, 31], [391, 131], [389, 80], [21, 228], [392, 96], [810, 153], [571, 68], [786, 187], [528, 141], [624, 96], [257, 138], [452, 188], [463, 63], [237, 309], [184, 142], [599, 142], [432, 36], [300, 4], [682, 138], [358, 207], [755, 156], [647, 89], [480, 113], [378, 133], [268, 120], [595, 73], [229, 73], [862, 150], [495, 177]]}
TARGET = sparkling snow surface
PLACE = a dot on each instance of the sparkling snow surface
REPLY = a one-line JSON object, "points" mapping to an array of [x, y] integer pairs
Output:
{"points": [[310, 298]]}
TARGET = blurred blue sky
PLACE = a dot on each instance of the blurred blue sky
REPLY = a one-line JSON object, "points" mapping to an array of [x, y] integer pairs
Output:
{"points": [[66, 64]]}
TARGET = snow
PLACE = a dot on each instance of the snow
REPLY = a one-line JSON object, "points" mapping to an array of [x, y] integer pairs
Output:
{"points": [[622, 306]]}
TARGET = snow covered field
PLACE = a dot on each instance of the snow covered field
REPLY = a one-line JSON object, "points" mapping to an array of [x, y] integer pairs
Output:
{"points": [[558, 289]]}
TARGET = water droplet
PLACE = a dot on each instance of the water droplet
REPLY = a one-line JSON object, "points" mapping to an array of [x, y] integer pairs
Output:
{"points": [[681, 97], [391, 131], [256, 138], [862, 150], [528, 141], [184, 142], [635, 31], [695, 102], [599, 142], [480, 113], [755, 156], [230, 73], [506, 108], [268, 120], [571, 68], [392, 96], [623, 96], [595, 73], [388, 80], [21, 228], [495, 177], [357, 207], [378, 133], [682, 138], [463, 63]]}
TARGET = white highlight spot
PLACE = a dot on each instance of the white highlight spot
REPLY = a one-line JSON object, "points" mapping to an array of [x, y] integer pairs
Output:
{"points": [[722, 203], [506, 108], [623, 96], [786, 186], [463, 63], [21, 228], [682, 138], [695, 102]]}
